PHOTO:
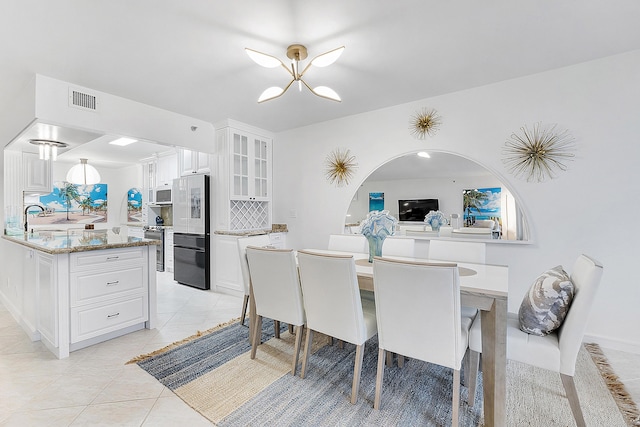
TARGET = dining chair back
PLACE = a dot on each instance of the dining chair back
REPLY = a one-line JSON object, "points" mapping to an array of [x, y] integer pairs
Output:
{"points": [[333, 305], [557, 351], [243, 242], [356, 243], [445, 250], [418, 315], [277, 293], [399, 246]]}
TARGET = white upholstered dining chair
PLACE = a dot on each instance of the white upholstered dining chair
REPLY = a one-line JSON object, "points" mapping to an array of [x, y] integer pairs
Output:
{"points": [[399, 246], [243, 242], [356, 243], [277, 294], [418, 315], [557, 351], [473, 252], [333, 306], [446, 250]]}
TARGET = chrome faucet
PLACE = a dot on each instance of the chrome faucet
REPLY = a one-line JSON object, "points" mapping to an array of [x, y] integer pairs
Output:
{"points": [[26, 216]]}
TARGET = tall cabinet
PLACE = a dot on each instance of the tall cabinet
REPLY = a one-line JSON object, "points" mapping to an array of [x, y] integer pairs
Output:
{"points": [[243, 190]]}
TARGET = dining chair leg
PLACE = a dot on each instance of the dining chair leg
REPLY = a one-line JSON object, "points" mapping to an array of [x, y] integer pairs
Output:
{"points": [[456, 397], [307, 350], [474, 363], [276, 328], [379, 378], [257, 326], [245, 303], [574, 402], [340, 344], [296, 348], [291, 329], [389, 358], [357, 369], [400, 361]]}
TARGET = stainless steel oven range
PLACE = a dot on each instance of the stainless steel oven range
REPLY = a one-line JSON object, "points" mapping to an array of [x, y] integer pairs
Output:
{"points": [[156, 233]]}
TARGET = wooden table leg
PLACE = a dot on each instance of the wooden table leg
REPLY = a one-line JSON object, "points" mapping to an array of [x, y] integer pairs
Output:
{"points": [[494, 363]]}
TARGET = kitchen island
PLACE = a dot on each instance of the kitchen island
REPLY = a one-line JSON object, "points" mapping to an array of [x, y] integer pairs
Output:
{"points": [[75, 288]]}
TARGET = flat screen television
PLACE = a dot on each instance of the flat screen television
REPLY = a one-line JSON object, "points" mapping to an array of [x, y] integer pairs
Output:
{"points": [[416, 209]]}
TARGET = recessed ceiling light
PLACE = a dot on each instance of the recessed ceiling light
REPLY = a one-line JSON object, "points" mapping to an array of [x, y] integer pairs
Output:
{"points": [[424, 154], [123, 141]]}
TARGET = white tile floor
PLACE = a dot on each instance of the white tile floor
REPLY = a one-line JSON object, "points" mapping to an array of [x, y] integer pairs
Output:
{"points": [[95, 387]]}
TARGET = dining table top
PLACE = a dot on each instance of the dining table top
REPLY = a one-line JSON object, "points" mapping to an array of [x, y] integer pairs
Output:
{"points": [[485, 279]]}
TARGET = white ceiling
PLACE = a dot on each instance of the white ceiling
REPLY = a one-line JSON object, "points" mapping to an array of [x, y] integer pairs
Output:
{"points": [[188, 56]]}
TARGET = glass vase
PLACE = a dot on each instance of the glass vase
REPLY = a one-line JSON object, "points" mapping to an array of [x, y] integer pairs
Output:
{"points": [[375, 246]]}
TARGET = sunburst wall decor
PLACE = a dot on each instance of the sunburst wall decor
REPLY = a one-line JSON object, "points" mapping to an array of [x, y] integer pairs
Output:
{"points": [[425, 122], [538, 154], [341, 166]]}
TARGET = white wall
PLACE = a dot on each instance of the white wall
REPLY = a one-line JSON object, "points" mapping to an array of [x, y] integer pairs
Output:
{"points": [[585, 210]]}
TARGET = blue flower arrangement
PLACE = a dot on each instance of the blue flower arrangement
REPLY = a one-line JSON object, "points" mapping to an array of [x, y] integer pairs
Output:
{"points": [[435, 219], [376, 227]]}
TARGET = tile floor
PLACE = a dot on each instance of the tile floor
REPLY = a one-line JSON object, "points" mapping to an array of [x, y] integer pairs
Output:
{"points": [[95, 387]]}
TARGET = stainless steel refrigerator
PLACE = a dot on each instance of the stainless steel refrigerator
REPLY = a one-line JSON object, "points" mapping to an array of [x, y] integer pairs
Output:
{"points": [[191, 234]]}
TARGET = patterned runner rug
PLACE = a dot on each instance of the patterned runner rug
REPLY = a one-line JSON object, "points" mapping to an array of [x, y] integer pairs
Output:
{"points": [[213, 373]]}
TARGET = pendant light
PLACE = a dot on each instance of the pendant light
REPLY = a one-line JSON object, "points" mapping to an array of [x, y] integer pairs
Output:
{"points": [[83, 174], [47, 148]]}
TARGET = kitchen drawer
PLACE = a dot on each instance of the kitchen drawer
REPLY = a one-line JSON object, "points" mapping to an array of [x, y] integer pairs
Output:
{"points": [[277, 240], [94, 286], [105, 259], [93, 320]]}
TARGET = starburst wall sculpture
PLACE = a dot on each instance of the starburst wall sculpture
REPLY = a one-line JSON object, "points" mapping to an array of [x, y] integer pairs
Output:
{"points": [[425, 122], [341, 166], [539, 154]]}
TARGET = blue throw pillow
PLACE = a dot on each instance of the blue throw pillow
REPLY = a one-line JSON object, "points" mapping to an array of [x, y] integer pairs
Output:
{"points": [[547, 302]]}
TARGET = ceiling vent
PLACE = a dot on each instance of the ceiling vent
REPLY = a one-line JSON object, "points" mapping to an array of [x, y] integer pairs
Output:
{"points": [[82, 100]]}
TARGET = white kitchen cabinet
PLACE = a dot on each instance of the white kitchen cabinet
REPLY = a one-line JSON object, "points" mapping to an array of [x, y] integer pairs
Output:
{"points": [[191, 162], [244, 170], [148, 181], [228, 276], [37, 174], [107, 291], [250, 166], [278, 240], [166, 169]]}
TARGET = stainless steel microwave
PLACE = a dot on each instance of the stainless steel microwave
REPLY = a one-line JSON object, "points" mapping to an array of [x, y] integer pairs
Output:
{"points": [[163, 196]]}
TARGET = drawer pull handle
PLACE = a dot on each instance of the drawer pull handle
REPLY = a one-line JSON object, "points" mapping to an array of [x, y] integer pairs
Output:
{"points": [[115, 282], [111, 316], [109, 258]]}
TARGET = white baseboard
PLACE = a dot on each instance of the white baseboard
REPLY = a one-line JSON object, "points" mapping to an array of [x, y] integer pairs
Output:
{"points": [[613, 344]]}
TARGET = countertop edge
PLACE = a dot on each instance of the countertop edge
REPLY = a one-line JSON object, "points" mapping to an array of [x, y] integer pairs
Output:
{"points": [[56, 251]]}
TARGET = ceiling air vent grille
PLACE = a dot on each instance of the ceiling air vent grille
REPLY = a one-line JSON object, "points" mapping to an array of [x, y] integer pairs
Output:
{"points": [[82, 100]]}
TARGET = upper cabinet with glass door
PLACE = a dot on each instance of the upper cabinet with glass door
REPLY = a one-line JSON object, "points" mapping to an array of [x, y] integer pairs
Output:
{"points": [[250, 167]]}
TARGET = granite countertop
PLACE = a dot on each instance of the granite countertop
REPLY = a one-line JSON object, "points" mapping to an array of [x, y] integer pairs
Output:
{"points": [[60, 242], [275, 228]]}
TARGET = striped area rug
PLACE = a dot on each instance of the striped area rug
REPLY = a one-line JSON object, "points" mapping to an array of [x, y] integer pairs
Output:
{"points": [[214, 374]]}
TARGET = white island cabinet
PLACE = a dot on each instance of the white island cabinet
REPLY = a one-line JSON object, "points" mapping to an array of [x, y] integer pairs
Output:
{"points": [[75, 290]]}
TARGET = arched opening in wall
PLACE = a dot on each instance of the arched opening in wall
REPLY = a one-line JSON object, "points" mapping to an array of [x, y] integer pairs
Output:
{"points": [[471, 197]]}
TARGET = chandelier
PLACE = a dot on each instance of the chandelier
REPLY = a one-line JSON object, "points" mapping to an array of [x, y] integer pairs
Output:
{"points": [[296, 53]]}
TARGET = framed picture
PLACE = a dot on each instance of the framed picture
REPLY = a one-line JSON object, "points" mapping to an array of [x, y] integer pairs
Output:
{"points": [[376, 202], [72, 203], [481, 204], [134, 205]]}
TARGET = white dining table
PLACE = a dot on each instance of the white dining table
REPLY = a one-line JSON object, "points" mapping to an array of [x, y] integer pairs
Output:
{"points": [[484, 287]]}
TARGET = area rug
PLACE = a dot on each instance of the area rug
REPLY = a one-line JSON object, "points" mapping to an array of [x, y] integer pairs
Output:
{"points": [[213, 373]]}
